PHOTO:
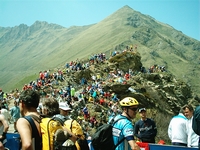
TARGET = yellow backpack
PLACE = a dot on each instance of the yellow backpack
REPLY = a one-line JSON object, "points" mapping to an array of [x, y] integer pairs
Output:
{"points": [[48, 129], [75, 128], [53, 135]]}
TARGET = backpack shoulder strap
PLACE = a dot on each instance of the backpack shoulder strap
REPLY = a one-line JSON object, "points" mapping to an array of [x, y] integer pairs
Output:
{"points": [[71, 125], [35, 132], [117, 121], [36, 118]]}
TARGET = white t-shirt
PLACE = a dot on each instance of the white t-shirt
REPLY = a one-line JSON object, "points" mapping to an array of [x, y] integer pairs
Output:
{"points": [[6, 113], [193, 138]]}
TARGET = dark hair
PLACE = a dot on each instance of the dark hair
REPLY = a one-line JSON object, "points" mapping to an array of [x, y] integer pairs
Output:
{"points": [[188, 106], [31, 98], [51, 105]]}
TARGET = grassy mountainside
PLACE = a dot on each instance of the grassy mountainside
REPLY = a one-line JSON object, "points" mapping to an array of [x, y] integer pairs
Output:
{"points": [[46, 46], [27, 50]]}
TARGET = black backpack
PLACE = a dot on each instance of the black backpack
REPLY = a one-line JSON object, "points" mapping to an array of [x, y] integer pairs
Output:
{"points": [[83, 144], [196, 120], [103, 137]]}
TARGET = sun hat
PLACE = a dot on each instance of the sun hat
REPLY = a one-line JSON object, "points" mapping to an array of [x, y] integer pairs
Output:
{"points": [[64, 106]]}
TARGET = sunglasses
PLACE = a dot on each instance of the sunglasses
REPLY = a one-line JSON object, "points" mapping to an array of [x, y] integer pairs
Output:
{"points": [[134, 109]]}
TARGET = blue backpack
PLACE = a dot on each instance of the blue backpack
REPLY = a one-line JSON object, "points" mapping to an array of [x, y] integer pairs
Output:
{"points": [[196, 120]]}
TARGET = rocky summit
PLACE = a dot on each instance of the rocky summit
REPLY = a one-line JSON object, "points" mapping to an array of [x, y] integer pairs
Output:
{"points": [[157, 89]]}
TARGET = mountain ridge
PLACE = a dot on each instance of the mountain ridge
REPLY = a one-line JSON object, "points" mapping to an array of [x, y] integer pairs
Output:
{"points": [[49, 45]]}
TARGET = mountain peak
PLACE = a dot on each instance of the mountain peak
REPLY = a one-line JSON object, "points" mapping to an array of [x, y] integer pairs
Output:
{"points": [[126, 7], [40, 23], [43, 24]]}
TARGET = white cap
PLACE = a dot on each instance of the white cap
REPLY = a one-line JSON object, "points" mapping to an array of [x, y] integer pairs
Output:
{"points": [[64, 106], [142, 109]]}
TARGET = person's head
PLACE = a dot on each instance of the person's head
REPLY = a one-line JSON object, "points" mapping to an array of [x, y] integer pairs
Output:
{"points": [[28, 101], [64, 108], [129, 106], [50, 107], [15, 103], [142, 112], [188, 111]]}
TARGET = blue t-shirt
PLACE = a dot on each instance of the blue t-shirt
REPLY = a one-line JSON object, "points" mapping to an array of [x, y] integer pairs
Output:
{"points": [[122, 128], [15, 112]]}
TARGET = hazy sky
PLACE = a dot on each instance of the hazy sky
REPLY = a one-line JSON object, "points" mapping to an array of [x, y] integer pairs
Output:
{"points": [[183, 15]]}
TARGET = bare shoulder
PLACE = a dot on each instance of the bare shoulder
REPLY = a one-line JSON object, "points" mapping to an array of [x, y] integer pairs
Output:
{"points": [[22, 122], [23, 126]]}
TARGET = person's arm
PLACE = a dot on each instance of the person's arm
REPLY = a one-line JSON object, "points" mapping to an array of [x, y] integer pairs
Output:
{"points": [[5, 126], [128, 132], [73, 137], [136, 129], [5, 123], [133, 145], [25, 132]]}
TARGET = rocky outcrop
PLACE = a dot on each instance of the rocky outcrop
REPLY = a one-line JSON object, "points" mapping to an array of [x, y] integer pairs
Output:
{"points": [[159, 90], [125, 61]]}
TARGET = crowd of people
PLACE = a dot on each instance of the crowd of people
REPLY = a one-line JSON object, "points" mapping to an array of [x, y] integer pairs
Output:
{"points": [[78, 98]]}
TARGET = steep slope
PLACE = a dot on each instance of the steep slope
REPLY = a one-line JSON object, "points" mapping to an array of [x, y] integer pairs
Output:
{"points": [[26, 50], [157, 43], [23, 43]]}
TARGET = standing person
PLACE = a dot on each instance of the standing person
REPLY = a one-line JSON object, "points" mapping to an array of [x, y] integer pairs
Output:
{"points": [[15, 114], [6, 113], [177, 130], [72, 92], [196, 122], [3, 130], [1, 95], [145, 128], [123, 128], [86, 113], [193, 138], [64, 110], [50, 108], [29, 125], [74, 126]]}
